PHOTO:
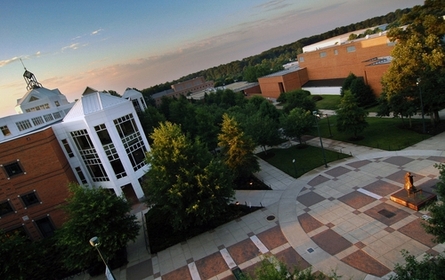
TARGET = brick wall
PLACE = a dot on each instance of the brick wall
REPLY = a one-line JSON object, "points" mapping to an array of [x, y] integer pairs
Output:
{"points": [[47, 172], [337, 62]]}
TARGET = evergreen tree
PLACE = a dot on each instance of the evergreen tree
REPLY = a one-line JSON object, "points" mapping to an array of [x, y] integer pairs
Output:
{"points": [[185, 182], [237, 149], [297, 123], [350, 117]]}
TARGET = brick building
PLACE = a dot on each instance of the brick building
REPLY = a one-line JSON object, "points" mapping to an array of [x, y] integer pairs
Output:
{"points": [[322, 66], [367, 57], [183, 88], [97, 142], [283, 81], [33, 183]]}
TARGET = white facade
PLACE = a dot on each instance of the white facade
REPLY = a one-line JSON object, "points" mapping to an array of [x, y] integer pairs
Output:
{"points": [[136, 98], [39, 108], [100, 134], [105, 143]]}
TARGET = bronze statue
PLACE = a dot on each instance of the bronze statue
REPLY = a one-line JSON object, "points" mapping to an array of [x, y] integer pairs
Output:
{"points": [[409, 185]]}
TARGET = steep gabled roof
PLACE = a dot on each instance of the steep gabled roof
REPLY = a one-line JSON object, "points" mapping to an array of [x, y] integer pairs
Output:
{"points": [[36, 94]]}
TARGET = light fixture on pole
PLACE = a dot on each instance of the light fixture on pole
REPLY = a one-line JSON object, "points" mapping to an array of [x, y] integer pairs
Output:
{"points": [[295, 167], [95, 243], [421, 105], [315, 113]]}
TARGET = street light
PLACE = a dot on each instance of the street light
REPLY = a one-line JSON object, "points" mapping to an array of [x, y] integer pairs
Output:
{"points": [[315, 113], [295, 166], [95, 243], [421, 105], [329, 125]]}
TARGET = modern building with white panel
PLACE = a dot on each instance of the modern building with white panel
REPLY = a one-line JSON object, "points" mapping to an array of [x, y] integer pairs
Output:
{"points": [[105, 143]]}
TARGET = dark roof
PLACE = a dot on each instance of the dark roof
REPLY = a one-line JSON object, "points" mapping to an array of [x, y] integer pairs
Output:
{"points": [[325, 83]]}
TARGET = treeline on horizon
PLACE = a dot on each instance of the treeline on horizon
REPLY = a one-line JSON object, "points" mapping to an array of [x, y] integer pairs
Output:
{"points": [[273, 59]]}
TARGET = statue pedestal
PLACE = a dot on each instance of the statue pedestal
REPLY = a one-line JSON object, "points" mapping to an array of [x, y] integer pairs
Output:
{"points": [[414, 201]]}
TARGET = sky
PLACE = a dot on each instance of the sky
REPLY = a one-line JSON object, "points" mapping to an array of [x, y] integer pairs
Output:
{"points": [[113, 45]]}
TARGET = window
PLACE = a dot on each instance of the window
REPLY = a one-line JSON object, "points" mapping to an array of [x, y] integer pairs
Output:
{"points": [[102, 132], [48, 117], [82, 178], [67, 148], [136, 106], [18, 231], [89, 155], [13, 169], [22, 125], [57, 115], [45, 227], [30, 199], [37, 121], [125, 125], [5, 208], [350, 49], [323, 54], [57, 103], [301, 58], [5, 130], [110, 150], [335, 52]]}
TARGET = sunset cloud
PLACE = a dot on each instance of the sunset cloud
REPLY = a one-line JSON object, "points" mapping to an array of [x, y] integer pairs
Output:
{"points": [[8, 61], [95, 32]]}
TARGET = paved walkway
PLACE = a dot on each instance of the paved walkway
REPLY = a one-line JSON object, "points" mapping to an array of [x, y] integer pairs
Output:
{"points": [[338, 219]]}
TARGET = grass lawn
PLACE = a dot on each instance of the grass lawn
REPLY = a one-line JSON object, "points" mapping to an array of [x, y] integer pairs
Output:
{"points": [[306, 158], [383, 133], [329, 102]]}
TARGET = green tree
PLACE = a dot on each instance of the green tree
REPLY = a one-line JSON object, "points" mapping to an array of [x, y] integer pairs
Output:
{"points": [[350, 117], [19, 259], [237, 149], [150, 119], [271, 268], [347, 83], [94, 212], [429, 268], [297, 98], [436, 224], [297, 123], [185, 182], [362, 93], [419, 55]]}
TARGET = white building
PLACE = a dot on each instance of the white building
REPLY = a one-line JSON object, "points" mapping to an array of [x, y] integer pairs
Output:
{"points": [[100, 134]]}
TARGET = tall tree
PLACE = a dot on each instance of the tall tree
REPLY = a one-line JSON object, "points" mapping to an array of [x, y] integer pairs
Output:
{"points": [[350, 117], [185, 182], [297, 123], [94, 212], [297, 98], [436, 225], [237, 149], [417, 69]]}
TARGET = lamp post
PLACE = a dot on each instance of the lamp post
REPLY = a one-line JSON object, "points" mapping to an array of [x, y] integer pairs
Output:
{"points": [[329, 125], [421, 105], [95, 243], [295, 167], [315, 113]]}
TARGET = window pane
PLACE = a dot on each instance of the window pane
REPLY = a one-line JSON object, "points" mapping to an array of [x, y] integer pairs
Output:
{"points": [[5, 208], [13, 169], [46, 227], [30, 199]]}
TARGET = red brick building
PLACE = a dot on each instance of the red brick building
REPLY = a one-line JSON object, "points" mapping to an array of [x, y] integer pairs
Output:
{"points": [[284, 81], [34, 175], [332, 60], [368, 58]]}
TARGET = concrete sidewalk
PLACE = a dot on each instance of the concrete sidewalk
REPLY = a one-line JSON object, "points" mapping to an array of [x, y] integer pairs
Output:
{"points": [[329, 219]]}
